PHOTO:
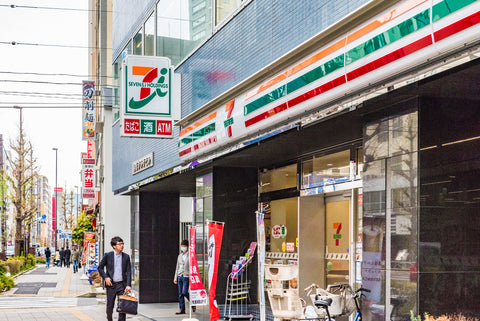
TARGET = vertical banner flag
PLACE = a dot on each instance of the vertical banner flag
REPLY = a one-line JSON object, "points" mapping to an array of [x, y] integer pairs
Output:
{"points": [[88, 110], [261, 261], [87, 238], [198, 295], [215, 234]]}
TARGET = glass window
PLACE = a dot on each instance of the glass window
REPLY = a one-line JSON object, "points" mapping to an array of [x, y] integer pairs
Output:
{"points": [[116, 89], [223, 8], [138, 43], [181, 26], [281, 226], [150, 36], [278, 179], [324, 170]]}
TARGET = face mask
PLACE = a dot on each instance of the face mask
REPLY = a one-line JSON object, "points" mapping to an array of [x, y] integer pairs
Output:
{"points": [[184, 249]]}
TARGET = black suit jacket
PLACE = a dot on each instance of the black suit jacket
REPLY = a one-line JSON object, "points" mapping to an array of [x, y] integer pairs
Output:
{"points": [[108, 261]]}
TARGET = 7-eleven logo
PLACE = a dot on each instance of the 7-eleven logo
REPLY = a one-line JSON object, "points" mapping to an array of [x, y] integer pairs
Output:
{"points": [[149, 88]]}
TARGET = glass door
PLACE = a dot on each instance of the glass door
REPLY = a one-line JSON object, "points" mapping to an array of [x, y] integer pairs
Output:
{"points": [[337, 239]]}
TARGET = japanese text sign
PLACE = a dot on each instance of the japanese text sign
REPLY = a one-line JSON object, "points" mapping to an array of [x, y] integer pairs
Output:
{"points": [[88, 110]]}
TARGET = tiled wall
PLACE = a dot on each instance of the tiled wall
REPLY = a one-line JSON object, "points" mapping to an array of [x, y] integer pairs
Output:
{"points": [[261, 33]]}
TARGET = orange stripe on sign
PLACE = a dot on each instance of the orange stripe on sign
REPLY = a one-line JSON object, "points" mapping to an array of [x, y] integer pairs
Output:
{"points": [[337, 46], [383, 20], [198, 123], [140, 71], [304, 64]]}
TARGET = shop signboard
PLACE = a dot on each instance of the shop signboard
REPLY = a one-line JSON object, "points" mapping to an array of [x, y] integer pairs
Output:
{"points": [[198, 294], [88, 110], [88, 178], [279, 231], [401, 38], [151, 96]]}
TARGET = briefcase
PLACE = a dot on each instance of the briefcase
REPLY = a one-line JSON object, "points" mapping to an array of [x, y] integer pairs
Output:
{"points": [[127, 304]]}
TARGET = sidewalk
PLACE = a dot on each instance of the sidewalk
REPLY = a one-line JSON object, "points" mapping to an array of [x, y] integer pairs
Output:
{"points": [[57, 293]]}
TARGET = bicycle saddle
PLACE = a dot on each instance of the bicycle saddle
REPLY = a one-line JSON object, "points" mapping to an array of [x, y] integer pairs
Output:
{"points": [[323, 303]]}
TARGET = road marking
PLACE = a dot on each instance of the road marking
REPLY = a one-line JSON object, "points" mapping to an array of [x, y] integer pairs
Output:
{"points": [[66, 285], [79, 314]]}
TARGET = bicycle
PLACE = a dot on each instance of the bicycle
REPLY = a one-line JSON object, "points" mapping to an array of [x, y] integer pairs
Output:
{"points": [[355, 296]]}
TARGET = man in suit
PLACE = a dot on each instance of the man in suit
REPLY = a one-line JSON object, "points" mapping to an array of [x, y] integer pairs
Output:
{"points": [[67, 257], [118, 277], [62, 257]]}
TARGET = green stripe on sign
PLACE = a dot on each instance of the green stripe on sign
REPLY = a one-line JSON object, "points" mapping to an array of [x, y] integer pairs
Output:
{"points": [[393, 34], [380, 41], [315, 74], [265, 100], [297, 83], [196, 135], [446, 7]]}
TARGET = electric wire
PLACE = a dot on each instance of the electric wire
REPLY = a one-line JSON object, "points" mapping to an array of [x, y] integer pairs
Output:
{"points": [[51, 74], [14, 6], [14, 43]]}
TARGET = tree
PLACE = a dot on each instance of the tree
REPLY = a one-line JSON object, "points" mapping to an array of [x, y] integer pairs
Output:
{"points": [[22, 182], [84, 224]]}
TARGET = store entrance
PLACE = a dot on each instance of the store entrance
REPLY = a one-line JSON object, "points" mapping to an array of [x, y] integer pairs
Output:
{"points": [[324, 238]]}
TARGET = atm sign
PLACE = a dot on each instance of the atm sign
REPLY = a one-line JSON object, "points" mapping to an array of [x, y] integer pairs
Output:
{"points": [[153, 128]]}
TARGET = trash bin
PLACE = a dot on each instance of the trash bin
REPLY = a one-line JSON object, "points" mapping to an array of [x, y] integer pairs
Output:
{"points": [[90, 270]]}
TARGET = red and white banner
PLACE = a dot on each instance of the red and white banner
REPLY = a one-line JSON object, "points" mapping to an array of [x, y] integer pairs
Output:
{"points": [[215, 234], [198, 295]]}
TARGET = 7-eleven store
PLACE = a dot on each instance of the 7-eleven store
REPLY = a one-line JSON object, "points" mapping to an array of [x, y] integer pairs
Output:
{"points": [[363, 145]]}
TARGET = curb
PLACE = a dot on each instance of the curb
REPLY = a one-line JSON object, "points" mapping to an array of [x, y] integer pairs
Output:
{"points": [[23, 272]]}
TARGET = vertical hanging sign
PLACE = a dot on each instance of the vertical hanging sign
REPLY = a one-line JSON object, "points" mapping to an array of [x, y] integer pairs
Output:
{"points": [[88, 177], [215, 234], [88, 110], [261, 260], [198, 295]]}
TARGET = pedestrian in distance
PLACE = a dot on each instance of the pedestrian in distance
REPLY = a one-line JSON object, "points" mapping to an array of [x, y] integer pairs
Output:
{"points": [[62, 257], [181, 276], [68, 253], [48, 254], [56, 259], [75, 256], [118, 275]]}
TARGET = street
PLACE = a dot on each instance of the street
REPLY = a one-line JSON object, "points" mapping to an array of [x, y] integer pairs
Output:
{"points": [[57, 294]]}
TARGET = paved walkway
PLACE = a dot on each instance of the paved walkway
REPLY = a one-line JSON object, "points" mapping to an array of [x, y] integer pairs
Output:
{"points": [[59, 294]]}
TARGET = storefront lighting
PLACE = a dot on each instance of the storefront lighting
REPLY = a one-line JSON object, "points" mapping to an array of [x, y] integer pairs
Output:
{"points": [[434, 183], [461, 141], [425, 148]]}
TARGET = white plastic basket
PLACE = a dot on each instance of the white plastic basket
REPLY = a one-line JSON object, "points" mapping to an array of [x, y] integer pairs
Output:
{"points": [[337, 306]]}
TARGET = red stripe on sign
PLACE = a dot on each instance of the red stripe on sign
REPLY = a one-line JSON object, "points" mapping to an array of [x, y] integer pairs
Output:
{"points": [[297, 100], [391, 57], [317, 91], [265, 115], [206, 142], [185, 151], [458, 26]]}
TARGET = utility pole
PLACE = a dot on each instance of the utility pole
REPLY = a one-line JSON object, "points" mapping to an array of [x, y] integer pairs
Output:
{"points": [[56, 196]]}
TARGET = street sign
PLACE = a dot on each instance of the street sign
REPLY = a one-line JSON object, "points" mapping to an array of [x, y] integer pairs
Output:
{"points": [[44, 216], [67, 231]]}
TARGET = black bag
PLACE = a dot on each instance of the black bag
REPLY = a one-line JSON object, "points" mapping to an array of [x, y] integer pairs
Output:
{"points": [[79, 264], [127, 304]]}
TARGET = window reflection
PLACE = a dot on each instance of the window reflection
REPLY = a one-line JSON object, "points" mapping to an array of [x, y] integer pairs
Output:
{"points": [[181, 26], [325, 170], [138, 42], [150, 36], [224, 8], [278, 179]]}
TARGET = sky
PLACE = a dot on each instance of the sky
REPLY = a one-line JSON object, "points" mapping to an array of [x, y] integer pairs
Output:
{"points": [[46, 128]]}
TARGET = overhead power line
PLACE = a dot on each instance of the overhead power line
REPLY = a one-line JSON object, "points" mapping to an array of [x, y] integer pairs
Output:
{"points": [[14, 43], [48, 74], [14, 6]]}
